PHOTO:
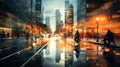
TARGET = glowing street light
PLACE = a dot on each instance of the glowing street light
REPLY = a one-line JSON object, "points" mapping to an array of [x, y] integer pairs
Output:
{"points": [[97, 19], [97, 22]]}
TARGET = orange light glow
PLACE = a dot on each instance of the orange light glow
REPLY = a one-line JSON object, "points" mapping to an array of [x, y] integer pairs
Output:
{"points": [[104, 25], [87, 46], [97, 18], [63, 27]]}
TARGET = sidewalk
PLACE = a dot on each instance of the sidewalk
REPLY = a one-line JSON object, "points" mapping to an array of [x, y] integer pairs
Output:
{"points": [[117, 41]]}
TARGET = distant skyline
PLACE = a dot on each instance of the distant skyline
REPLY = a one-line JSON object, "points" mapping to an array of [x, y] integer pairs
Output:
{"points": [[50, 6]]}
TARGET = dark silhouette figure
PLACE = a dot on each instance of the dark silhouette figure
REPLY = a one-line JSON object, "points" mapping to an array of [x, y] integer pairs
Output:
{"points": [[7, 35], [77, 50], [77, 37], [110, 57], [77, 40], [108, 38]]}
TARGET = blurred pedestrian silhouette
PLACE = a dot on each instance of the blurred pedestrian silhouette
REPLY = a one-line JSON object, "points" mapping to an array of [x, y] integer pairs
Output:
{"points": [[77, 42], [108, 38], [77, 37]]}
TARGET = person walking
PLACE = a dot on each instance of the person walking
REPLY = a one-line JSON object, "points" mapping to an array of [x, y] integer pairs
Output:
{"points": [[109, 37], [77, 37], [77, 43]]}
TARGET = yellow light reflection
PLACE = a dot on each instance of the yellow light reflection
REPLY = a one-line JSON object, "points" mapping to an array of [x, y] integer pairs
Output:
{"points": [[52, 48], [34, 45], [88, 46]]}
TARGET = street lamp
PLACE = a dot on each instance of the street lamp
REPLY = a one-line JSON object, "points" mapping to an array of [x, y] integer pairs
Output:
{"points": [[97, 19], [97, 22]]}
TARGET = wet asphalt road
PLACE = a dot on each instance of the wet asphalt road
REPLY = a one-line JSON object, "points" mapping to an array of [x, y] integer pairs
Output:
{"points": [[58, 53]]}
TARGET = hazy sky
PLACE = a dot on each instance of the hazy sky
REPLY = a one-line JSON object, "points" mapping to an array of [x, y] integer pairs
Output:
{"points": [[49, 10]]}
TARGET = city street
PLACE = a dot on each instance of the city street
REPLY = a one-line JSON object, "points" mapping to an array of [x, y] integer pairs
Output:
{"points": [[16, 51], [59, 33], [59, 53]]}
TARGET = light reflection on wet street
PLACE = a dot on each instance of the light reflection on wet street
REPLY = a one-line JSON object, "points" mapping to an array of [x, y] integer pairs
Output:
{"points": [[53, 55], [61, 53]]}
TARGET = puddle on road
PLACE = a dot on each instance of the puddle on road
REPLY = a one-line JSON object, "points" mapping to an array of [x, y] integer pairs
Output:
{"points": [[60, 54]]}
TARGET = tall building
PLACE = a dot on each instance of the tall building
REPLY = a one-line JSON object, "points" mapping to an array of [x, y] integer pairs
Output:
{"points": [[14, 14], [67, 3], [47, 22], [66, 9], [107, 7], [70, 16], [115, 10], [110, 9], [21, 9], [61, 25], [42, 14], [58, 20], [38, 10], [81, 10], [92, 9]]}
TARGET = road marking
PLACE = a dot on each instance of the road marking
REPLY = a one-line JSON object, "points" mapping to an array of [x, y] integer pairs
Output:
{"points": [[34, 55], [12, 54], [7, 48]]}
